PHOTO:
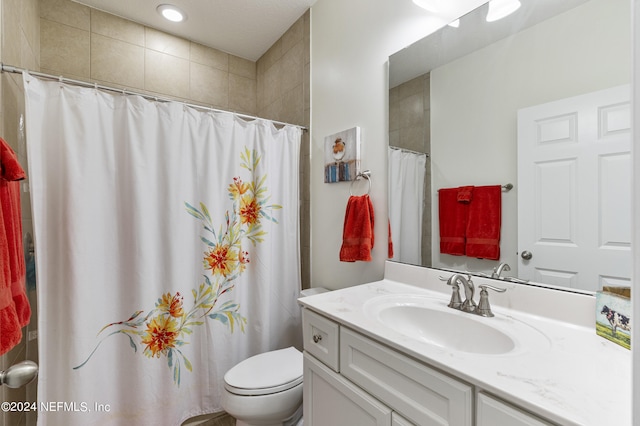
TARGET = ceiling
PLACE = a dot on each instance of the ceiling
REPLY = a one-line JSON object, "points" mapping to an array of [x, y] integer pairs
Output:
{"points": [[244, 28]]}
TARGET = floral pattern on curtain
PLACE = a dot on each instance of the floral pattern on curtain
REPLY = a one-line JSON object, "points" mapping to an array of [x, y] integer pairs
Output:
{"points": [[167, 251]]}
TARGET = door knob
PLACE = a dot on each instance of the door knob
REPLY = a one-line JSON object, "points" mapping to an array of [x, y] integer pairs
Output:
{"points": [[526, 255]]}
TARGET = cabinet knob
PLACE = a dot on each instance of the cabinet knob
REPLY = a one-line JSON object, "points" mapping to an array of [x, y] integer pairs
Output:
{"points": [[316, 338]]}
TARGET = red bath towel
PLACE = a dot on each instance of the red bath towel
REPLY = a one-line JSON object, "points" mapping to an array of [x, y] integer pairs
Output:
{"points": [[465, 194], [14, 305], [357, 233], [483, 228], [453, 222]]}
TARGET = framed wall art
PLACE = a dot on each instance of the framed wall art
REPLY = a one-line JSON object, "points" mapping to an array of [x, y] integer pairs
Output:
{"points": [[342, 156]]}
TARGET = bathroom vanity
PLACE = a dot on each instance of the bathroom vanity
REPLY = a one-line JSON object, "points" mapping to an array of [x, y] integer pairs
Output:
{"points": [[392, 353]]}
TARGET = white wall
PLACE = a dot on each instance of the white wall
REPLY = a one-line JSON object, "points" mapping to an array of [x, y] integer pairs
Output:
{"points": [[350, 45], [541, 64]]}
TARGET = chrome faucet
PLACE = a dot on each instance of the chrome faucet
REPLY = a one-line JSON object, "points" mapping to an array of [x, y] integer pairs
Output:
{"points": [[484, 309], [497, 271], [468, 305]]}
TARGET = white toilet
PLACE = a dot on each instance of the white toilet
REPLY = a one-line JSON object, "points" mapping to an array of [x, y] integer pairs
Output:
{"points": [[266, 389]]}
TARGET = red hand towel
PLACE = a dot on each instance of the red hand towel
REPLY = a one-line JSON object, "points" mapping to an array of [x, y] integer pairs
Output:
{"points": [[483, 228], [465, 194], [357, 233], [453, 222], [14, 305]]}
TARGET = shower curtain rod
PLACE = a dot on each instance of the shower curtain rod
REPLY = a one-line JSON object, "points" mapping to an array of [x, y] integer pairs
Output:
{"points": [[409, 150], [16, 70]]}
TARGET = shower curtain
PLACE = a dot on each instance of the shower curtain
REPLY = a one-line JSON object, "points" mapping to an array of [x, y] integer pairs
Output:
{"points": [[167, 247], [406, 204]]}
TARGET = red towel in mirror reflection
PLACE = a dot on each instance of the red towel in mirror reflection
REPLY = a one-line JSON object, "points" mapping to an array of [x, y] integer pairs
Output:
{"points": [[470, 221], [453, 222], [484, 221], [357, 233]]}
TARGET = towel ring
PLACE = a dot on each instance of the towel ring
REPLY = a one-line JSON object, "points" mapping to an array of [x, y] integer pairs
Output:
{"points": [[367, 175]]}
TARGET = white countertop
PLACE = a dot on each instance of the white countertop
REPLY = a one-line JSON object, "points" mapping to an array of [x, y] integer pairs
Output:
{"points": [[573, 378]]}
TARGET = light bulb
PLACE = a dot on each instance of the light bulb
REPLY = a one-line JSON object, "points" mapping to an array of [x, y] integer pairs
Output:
{"points": [[170, 12]]}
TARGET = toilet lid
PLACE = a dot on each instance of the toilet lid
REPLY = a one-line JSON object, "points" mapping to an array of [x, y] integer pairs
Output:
{"points": [[266, 373]]}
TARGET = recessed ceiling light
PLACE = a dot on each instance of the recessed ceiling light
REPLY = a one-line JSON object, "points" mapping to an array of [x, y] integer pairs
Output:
{"points": [[171, 12]]}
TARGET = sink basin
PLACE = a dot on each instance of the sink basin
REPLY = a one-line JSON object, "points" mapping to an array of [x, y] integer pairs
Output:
{"points": [[429, 320]]}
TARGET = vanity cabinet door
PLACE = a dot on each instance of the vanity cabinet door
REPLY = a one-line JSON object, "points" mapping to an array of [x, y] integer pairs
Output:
{"points": [[421, 394], [321, 338], [331, 400], [492, 412]]}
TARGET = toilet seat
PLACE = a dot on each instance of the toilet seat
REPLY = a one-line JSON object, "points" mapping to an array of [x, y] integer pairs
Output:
{"points": [[266, 373]]}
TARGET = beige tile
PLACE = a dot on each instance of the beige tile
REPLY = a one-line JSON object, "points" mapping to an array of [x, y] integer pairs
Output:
{"points": [[11, 31], [117, 62], [167, 43], [411, 87], [411, 111], [210, 57], [294, 35], [412, 138], [272, 111], [242, 67], [307, 36], [118, 28], [292, 106], [209, 85], [292, 67], [12, 106], [30, 24], [242, 94], [66, 12], [65, 49], [270, 57], [166, 74], [306, 85], [271, 88]]}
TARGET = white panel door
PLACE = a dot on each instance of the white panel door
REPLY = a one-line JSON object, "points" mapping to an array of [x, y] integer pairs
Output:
{"points": [[574, 196]]}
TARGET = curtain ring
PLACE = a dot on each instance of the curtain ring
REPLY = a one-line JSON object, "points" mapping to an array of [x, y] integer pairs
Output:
{"points": [[367, 175]]}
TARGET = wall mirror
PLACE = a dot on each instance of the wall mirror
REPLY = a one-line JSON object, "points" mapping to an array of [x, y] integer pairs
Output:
{"points": [[483, 104]]}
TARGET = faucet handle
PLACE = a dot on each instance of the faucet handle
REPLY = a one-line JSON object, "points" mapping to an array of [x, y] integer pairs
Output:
{"points": [[484, 308], [456, 301]]}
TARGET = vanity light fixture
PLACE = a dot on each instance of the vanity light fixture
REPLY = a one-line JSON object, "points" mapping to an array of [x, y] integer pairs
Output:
{"points": [[498, 9], [171, 13]]}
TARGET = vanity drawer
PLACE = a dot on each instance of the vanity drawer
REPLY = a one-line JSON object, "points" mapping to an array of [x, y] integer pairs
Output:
{"points": [[321, 338], [491, 411], [423, 395]]}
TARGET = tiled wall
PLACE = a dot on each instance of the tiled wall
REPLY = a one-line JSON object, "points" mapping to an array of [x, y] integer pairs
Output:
{"points": [[87, 44], [20, 47], [283, 74], [410, 128]]}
